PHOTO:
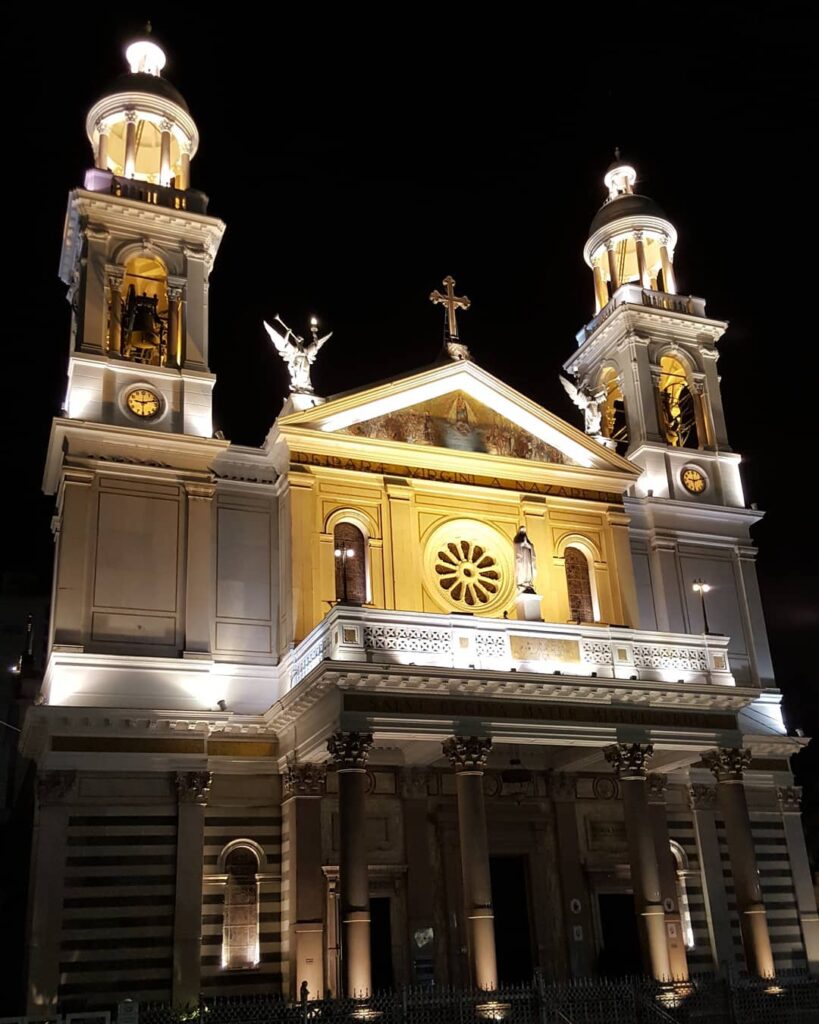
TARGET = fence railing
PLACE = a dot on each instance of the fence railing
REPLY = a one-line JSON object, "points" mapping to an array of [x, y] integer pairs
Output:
{"points": [[790, 998]]}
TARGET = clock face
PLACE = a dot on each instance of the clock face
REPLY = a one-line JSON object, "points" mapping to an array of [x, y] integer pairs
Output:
{"points": [[693, 481], [143, 402]]}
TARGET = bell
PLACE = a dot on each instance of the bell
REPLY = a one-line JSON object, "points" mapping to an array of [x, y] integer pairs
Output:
{"points": [[142, 326]]}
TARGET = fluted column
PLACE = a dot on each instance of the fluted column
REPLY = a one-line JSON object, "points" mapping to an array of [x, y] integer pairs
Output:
{"points": [[601, 296], [115, 276], [728, 764], [467, 755], [658, 819], [790, 802], [303, 788], [165, 127], [639, 245], [192, 790], [669, 281], [349, 752], [102, 147], [630, 762], [173, 355], [612, 266], [129, 165]]}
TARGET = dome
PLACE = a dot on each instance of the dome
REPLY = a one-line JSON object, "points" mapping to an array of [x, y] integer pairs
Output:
{"points": [[152, 84], [629, 205]]}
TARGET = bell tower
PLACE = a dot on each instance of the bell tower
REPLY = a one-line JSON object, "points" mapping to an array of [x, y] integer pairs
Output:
{"points": [[645, 373], [138, 248]]}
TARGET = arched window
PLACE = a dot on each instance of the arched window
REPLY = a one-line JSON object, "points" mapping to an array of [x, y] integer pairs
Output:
{"points": [[350, 553], [240, 936], [139, 329], [680, 871], [678, 405], [613, 424], [578, 584]]}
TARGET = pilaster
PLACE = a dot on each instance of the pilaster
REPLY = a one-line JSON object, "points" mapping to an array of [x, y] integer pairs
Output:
{"points": [[790, 803], [192, 790]]}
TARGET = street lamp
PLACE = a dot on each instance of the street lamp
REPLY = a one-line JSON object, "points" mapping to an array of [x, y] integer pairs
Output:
{"points": [[344, 554], [701, 587]]}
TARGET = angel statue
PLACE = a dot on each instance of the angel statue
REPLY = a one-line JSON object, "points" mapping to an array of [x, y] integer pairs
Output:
{"points": [[589, 403], [298, 356]]}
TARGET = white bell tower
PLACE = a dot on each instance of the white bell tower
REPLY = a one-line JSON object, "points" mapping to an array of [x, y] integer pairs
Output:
{"points": [[138, 248], [647, 363]]}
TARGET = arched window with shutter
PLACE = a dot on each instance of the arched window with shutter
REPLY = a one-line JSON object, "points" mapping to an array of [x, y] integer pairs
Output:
{"points": [[350, 553], [578, 584], [240, 936]]}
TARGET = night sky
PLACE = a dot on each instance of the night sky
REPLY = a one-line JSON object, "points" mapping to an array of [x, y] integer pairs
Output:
{"points": [[360, 159]]}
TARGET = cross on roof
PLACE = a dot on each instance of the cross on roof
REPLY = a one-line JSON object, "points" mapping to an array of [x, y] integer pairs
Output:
{"points": [[452, 302]]}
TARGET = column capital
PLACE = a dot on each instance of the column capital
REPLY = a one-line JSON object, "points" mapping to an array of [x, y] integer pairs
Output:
{"points": [[702, 797], [638, 235], [102, 127], [467, 753], [130, 117], [611, 245], [165, 125], [629, 760], [790, 799], [727, 763], [55, 787], [115, 275], [349, 751], [193, 787], [201, 492], [304, 780], [657, 786]]}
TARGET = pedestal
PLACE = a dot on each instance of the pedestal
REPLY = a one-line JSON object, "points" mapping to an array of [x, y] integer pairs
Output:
{"points": [[527, 607]]}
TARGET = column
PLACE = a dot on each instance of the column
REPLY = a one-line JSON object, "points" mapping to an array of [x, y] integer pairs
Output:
{"points": [[102, 147], [612, 266], [576, 902], [658, 820], [303, 787], [467, 755], [790, 800], [199, 575], [184, 180], [173, 355], [420, 874], [630, 762], [47, 880], [349, 752], [669, 281], [641, 258], [115, 276], [728, 764], [129, 166], [165, 128], [703, 802], [601, 295], [192, 790]]}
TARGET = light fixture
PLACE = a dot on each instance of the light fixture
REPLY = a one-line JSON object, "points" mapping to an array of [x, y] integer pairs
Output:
{"points": [[344, 554], [700, 587]]}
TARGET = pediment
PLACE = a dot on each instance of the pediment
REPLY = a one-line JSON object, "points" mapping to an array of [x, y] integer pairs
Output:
{"points": [[457, 407]]}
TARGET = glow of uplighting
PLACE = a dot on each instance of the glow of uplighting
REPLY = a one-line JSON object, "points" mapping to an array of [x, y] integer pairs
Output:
{"points": [[145, 57], [78, 401]]}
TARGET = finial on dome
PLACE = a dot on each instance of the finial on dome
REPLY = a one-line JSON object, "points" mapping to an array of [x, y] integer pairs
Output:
{"points": [[620, 176], [144, 55], [616, 148]]}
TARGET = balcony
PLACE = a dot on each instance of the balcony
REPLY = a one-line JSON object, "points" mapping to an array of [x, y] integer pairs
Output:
{"points": [[635, 295], [191, 200], [379, 637]]}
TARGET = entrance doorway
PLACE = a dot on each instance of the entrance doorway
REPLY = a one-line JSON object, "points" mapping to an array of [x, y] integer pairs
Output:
{"points": [[381, 943], [513, 934], [621, 941]]}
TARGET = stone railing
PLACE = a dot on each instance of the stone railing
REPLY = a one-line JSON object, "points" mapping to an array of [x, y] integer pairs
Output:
{"points": [[635, 295], [376, 636], [192, 200]]}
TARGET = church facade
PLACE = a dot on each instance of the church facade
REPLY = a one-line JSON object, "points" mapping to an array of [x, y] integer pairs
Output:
{"points": [[433, 687]]}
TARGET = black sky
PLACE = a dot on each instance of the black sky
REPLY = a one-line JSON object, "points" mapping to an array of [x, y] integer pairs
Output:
{"points": [[361, 155]]}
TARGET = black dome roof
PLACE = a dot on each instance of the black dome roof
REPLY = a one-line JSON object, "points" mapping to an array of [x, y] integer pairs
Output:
{"points": [[629, 205], [140, 82]]}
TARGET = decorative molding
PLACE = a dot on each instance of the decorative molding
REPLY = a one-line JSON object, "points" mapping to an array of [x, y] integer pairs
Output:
{"points": [[349, 751], [728, 763], [193, 787], [306, 779], [629, 760], [467, 753], [790, 799], [54, 787], [702, 797], [657, 786]]}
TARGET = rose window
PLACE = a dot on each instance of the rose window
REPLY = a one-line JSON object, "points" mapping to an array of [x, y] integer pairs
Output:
{"points": [[468, 573]]}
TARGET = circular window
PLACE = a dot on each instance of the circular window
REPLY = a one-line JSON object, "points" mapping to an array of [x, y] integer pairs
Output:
{"points": [[469, 567]]}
